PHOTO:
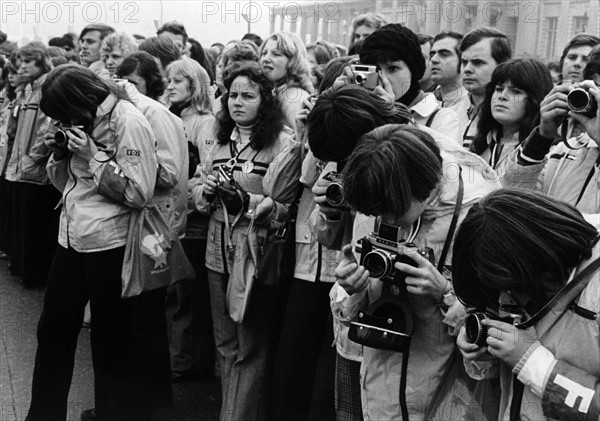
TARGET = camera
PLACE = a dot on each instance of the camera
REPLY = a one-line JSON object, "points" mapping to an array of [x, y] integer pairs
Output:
{"points": [[477, 333], [379, 252], [61, 139], [580, 101], [225, 175], [388, 322], [334, 194], [365, 75]]}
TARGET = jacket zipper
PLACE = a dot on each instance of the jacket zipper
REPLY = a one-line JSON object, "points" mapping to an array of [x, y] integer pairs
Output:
{"points": [[69, 161]]}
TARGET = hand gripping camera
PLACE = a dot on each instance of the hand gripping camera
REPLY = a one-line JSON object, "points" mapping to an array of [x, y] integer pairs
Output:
{"points": [[366, 76], [507, 312], [580, 101], [388, 323], [334, 194], [61, 139], [225, 176]]}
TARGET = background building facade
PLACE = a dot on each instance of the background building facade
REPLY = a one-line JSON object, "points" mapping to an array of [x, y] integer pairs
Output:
{"points": [[537, 28]]}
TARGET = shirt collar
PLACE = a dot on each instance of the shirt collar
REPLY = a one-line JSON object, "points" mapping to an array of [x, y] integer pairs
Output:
{"points": [[426, 106]]}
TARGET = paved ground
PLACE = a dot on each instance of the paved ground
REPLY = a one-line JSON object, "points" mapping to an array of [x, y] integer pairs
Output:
{"points": [[19, 312]]}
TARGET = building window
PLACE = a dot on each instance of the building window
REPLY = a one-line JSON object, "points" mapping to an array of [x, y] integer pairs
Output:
{"points": [[470, 16], [551, 24], [580, 24]]}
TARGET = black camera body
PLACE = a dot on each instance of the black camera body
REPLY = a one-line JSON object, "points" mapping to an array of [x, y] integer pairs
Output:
{"points": [[334, 194], [581, 101], [61, 139], [225, 176], [477, 333], [388, 322], [379, 252], [365, 75]]}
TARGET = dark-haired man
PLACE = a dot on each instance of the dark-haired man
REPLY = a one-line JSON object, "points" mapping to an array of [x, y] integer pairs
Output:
{"points": [[176, 31], [482, 50], [90, 42]]}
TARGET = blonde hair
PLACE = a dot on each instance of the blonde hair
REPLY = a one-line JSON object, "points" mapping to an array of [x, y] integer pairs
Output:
{"points": [[198, 79], [298, 67], [119, 40]]}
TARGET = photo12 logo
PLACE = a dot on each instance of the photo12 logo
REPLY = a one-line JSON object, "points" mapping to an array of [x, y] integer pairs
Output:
{"points": [[68, 11]]}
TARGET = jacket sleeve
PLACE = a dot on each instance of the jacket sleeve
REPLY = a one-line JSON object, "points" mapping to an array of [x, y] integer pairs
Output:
{"points": [[39, 152], [129, 176], [283, 175], [567, 392], [331, 233], [171, 151]]}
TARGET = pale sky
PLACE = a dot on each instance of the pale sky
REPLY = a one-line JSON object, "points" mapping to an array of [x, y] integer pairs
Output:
{"points": [[206, 21]]}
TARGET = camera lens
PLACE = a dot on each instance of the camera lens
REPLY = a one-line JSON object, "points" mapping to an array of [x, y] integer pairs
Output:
{"points": [[475, 331], [579, 100], [335, 194], [359, 78], [378, 264], [60, 138]]}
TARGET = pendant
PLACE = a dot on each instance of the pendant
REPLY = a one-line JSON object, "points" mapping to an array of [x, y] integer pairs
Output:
{"points": [[231, 163], [247, 167]]}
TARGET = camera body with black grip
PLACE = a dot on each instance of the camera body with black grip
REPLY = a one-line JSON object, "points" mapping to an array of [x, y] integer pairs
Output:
{"points": [[61, 138], [477, 333]]}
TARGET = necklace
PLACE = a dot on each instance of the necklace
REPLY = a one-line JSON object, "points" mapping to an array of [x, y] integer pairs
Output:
{"points": [[247, 165]]}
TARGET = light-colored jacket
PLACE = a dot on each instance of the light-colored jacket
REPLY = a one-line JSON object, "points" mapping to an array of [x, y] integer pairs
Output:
{"points": [[275, 174], [170, 192], [30, 155], [98, 195], [201, 132], [8, 127], [291, 98], [314, 261], [562, 174], [433, 341], [561, 371]]}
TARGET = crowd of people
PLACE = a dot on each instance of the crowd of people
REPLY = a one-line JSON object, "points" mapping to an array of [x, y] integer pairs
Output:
{"points": [[443, 196]]}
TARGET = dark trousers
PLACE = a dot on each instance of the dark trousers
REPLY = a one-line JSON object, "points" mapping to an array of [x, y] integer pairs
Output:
{"points": [[189, 320], [303, 381], [35, 230], [5, 215], [128, 337]]}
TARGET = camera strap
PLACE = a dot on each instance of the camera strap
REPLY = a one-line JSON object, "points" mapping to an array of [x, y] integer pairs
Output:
{"points": [[566, 295], [588, 179], [454, 222]]}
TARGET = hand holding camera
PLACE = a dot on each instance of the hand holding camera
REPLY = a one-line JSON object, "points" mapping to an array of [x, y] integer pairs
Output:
{"points": [[507, 342], [553, 111], [587, 97], [351, 276], [328, 193], [77, 141]]}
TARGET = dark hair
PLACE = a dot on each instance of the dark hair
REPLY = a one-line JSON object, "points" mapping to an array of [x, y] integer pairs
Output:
{"points": [[500, 44], [342, 115], [62, 42], [449, 34], [593, 65], [163, 48], [269, 123], [198, 54], [73, 92], [174, 28], [332, 71], [37, 52], [518, 240], [425, 39], [103, 29], [579, 40], [391, 166], [11, 92], [529, 75], [256, 39], [356, 47], [56, 52], [145, 66]]}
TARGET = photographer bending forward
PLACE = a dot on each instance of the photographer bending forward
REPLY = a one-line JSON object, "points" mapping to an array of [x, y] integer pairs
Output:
{"points": [[549, 366], [398, 174]]}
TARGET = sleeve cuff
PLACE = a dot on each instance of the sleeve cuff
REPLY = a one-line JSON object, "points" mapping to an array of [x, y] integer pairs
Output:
{"points": [[534, 367], [535, 147]]}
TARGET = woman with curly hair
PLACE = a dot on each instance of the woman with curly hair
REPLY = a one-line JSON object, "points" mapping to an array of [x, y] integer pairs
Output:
{"points": [[284, 60], [252, 174], [511, 109]]}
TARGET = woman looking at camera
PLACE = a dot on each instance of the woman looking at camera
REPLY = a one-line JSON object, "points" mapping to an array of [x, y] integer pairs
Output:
{"points": [[106, 168], [511, 108], [254, 170], [549, 366], [284, 61]]}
